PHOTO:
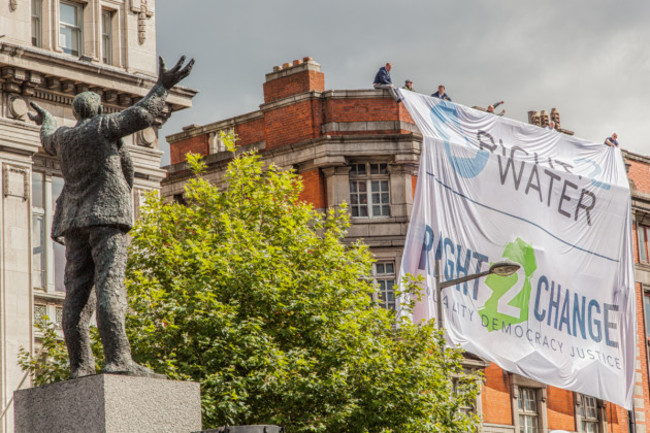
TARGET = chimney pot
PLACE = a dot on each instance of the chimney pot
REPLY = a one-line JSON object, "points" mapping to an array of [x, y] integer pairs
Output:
{"points": [[307, 59], [285, 65], [297, 62], [276, 68]]}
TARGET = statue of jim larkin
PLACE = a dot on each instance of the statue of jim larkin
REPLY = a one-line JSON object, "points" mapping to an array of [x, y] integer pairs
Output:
{"points": [[93, 215]]}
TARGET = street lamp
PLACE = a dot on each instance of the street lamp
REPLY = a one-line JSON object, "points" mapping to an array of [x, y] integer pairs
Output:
{"points": [[502, 269]]}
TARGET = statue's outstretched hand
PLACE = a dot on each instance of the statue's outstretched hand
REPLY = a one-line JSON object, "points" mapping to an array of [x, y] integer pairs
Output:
{"points": [[169, 78], [40, 113]]}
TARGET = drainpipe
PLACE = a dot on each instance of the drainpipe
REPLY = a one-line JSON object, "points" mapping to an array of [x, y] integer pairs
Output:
{"points": [[631, 422]]}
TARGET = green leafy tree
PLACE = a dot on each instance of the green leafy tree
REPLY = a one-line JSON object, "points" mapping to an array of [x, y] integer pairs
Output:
{"points": [[50, 363], [251, 292]]}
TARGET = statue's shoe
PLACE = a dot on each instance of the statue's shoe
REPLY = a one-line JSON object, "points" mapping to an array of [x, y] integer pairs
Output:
{"points": [[132, 369], [82, 371]]}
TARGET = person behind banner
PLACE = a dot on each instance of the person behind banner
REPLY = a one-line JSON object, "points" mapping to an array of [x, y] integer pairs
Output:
{"points": [[441, 94], [408, 85], [491, 107], [383, 81], [612, 141]]}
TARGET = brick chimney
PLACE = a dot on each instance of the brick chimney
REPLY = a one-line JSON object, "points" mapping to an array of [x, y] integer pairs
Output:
{"points": [[294, 78]]}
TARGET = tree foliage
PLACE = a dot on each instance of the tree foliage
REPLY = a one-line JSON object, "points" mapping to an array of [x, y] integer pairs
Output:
{"points": [[254, 294]]}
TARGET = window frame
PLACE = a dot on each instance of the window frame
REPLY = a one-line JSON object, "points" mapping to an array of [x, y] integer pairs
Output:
{"points": [[524, 396], [381, 177], [53, 312], [107, 35], [388, 278], [475, 408], [599, 420], [77, 29], [539, 390], [645, 289], [37, 22], [43, 208], [643, 235]]}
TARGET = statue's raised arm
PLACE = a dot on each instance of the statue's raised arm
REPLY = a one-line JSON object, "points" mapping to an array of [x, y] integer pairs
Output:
{"points": [[169, 78], [145, 111], [48, 126]]}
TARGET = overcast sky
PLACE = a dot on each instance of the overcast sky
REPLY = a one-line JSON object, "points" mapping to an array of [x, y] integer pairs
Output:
{"points": [[588, 58]]}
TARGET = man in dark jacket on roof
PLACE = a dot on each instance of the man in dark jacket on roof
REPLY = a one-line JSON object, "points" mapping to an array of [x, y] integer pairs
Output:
{"points": [[383, 81], [441, 94]]}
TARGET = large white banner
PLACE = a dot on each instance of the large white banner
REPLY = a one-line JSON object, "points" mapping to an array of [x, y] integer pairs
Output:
{"points": [[491, 189]]}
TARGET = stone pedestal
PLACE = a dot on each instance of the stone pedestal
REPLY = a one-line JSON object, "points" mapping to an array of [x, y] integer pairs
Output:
{"points": [[108, 403]]}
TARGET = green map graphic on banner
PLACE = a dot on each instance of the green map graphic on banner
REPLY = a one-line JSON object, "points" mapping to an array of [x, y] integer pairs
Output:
{"points": [[508, 305]]}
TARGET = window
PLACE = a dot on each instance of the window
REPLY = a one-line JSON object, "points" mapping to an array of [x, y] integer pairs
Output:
{"points": [[40, 314], [43, 317], [528, 410], [217, 140], [457, 387], [369, 190], [58, 314], [528, 405], [107, 37], [588, 414], [385, 277], [70, 28], [37, 11], [646, 310], [48, 257], [643, 233]]}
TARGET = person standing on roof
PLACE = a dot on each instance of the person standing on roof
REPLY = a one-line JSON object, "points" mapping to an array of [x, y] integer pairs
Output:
{"points": [[383, 81], [408, 85], [441, 94], [612, 141], [491, 107]]}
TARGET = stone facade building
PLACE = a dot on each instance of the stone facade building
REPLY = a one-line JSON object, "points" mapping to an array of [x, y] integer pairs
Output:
{"points": [[361, 147], [50, 50]]}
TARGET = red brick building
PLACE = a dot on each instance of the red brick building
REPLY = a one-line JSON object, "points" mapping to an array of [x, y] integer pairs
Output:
{"points": [[362, 148]]}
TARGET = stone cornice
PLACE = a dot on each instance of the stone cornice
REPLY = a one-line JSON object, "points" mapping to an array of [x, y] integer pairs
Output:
{"points": [[288, 101], [356, 94], [323, 151], [636, 157], [387, 125], [291, 100], [24, 68], [640, 201]]}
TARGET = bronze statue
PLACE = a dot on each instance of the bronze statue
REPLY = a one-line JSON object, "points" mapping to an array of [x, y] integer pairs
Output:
{"points": [[93, 215]]}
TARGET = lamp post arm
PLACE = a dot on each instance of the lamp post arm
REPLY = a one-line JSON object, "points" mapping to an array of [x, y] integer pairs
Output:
{"points": [[444, 284], [503, 269]]}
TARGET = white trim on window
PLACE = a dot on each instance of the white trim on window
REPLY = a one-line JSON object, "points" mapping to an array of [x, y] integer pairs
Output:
{"points": [[369, 190], [71, 28]]}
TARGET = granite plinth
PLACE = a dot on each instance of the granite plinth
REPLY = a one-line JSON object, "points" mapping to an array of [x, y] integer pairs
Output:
{"points": [[109, 403]]}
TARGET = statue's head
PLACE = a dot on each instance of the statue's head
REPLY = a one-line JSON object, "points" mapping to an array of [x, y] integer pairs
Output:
{"points": [[86, 105]]}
